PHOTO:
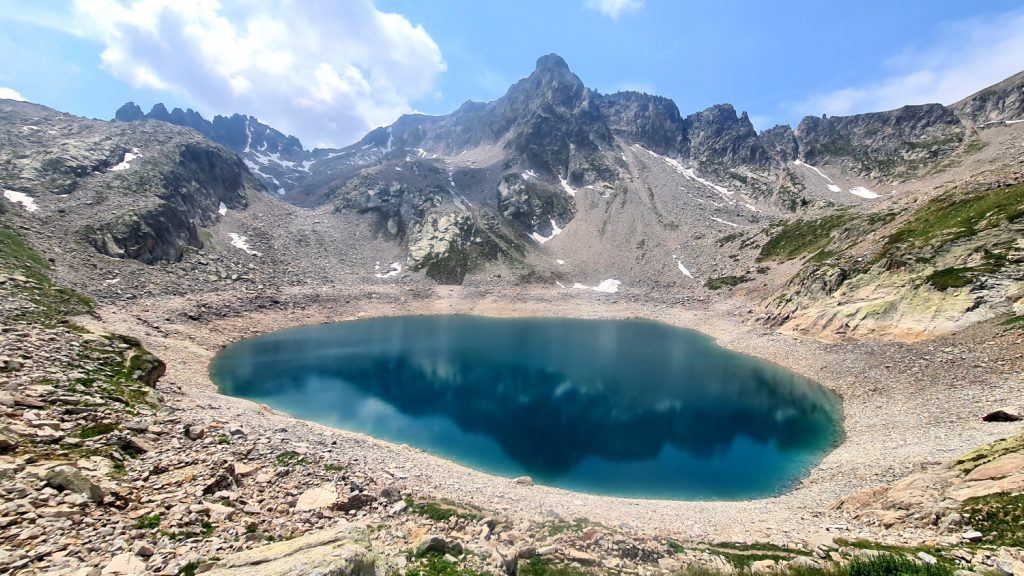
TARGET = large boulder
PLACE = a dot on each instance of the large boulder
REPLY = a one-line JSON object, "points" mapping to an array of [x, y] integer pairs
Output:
{"points": [[343, 550], [70, 478], [317, 498]]}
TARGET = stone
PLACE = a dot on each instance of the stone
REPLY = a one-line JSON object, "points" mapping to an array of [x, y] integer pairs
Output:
{"points": [[7, 442], [927, 558], [397, 508], [124, 564], [143, 549], [220, 511], [523, 481], [762, 566], [195, 432], [69, 478], [140, 445], [342, 549], [1008, 567], [323, 496], [972, 536], [431, 544], [580, 557], [243, 470], [548, 550], [1000, 467], [1002, 415], [805, 562]]}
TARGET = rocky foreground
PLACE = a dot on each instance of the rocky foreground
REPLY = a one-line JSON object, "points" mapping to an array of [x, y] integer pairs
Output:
{"points": [[104, 470]]}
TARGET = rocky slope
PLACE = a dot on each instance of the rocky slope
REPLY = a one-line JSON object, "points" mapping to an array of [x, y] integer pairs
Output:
{"points": [[138, 191]]}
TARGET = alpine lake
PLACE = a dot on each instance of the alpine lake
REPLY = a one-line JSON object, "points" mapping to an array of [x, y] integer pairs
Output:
{"points": [[627, 408]]}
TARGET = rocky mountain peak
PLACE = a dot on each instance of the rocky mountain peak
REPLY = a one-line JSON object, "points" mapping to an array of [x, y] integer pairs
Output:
{"points": [[130, 112]]}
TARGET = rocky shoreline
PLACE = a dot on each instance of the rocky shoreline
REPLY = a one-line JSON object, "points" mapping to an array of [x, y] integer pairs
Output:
{"points": [[185, 477]]}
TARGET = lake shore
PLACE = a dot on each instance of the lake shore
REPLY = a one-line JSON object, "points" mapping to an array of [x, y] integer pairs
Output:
{"points": [[906, 406]]}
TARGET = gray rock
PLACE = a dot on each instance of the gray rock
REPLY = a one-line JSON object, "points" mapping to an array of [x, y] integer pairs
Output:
{"points": [[523, 481], [431, 544], [927, 558], [341, 550], [1002, 415], [70, 478], [972, 536]]}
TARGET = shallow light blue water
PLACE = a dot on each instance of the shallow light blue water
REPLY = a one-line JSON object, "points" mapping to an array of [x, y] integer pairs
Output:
{"points": [[620, 407]]}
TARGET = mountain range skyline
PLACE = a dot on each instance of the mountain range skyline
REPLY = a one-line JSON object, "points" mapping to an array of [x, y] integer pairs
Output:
{"points": [[88, 55]]}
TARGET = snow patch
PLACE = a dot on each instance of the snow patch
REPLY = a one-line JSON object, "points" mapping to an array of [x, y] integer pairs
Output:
{"points": [[560, 261], [863, 192], [689, 173], [555, 231], [126, 163], [720, 221], [393, 270], [679, 264], [565, 186], [222, 209], [27, 202], [528, 174], [834, 188], [820, 173], [242, 243], [609, 286]]}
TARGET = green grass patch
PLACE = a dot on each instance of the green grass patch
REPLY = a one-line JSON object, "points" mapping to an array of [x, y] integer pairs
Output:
{"points": [[729, 238], [189, 569], [52, 303], [891, 550], [205, 531], [1000, 517], [800, 237], [289, 458], [948, 278], [436, 565], [989, 452], [675, 547], [544, 567], [719, 282], [149, 522], [332, 467], [97, 429], [442, 511], [956, 215], [223, 439], [1014, 321]]}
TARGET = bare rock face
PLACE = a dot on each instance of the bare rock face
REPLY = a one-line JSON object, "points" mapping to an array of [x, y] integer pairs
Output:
{"points": [[136, 190], [718, 136], [343, 550], [881, 144], [999, 103]]}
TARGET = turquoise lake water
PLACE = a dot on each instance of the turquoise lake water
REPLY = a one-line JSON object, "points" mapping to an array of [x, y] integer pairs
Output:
{"points": [[617, 407]]}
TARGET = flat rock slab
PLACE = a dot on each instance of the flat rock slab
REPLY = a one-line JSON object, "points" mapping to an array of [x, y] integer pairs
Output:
{"points": [[1001, 467], [340, 551], [316, 498]]}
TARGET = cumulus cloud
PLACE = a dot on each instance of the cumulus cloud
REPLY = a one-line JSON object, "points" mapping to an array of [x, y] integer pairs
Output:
{"points": [[614, 8], [10, 94], [974, 54], [324, 71]]}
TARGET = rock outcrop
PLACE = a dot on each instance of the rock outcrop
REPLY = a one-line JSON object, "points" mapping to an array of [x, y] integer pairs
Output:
{"points": [[996, 104], [881, 144], [343, 550]]}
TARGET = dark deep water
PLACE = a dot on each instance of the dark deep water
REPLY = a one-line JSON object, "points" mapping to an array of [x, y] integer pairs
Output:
{"points": [[620, 407]]}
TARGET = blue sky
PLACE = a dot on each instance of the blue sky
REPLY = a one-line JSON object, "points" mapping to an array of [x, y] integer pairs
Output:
{"points": [[328, 71]]}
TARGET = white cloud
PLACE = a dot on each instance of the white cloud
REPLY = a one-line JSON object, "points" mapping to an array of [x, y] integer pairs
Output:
{"points": [[973, 54], [614, 8], [10, 94], [324, 71]]}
